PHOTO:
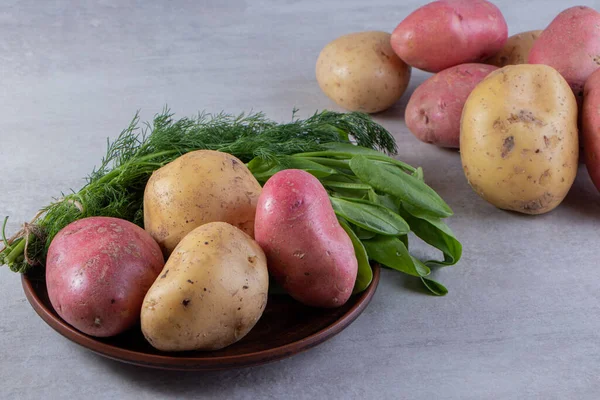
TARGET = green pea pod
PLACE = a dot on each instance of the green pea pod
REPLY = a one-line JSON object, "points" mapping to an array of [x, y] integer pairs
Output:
{"points": [[392, 180], [392, 253], [370, 216], [434, 232], [365, 273]]}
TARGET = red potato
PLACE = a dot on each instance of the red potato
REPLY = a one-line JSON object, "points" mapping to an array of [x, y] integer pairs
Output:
{"points": [[591, 126], [98, 271], [571, 45], [308, 253], [435, 107], [446, 33]]}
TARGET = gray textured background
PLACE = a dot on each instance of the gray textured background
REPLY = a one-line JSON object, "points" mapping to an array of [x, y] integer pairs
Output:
{"points": [[522, 317]]}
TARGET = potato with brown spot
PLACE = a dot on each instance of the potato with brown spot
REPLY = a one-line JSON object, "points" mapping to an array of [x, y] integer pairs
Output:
{"points": [[519, 141], [434, 109], [209, 295], [197, 188], [516, 50], [361, 72]]}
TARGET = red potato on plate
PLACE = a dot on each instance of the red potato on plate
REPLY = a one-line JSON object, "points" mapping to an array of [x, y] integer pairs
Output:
{"points": [[308, 252], [98, 271], [571, 45], [446, 33], [590, 122], [435, 107]]}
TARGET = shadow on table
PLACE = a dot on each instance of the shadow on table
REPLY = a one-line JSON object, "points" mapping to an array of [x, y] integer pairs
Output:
{"points": [[178, 383], [583, 198]]}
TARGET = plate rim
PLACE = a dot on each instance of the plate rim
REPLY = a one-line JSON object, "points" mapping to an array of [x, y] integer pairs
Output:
{"points": [[169, 362]]}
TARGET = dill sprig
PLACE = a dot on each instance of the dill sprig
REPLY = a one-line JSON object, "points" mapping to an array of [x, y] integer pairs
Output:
{"points": [[115, 188]]}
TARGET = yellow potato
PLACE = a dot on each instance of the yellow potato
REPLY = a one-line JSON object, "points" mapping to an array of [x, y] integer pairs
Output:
{"points": [[199, 187], [211, 292], [516, 50], [361, 72], [518, 139]]}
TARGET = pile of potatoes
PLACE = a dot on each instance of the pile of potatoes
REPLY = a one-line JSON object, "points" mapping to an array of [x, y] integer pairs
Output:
{"points": [[519, 108], [197, 276]]}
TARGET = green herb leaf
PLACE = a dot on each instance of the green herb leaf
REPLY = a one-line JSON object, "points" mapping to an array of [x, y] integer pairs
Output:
{"points": [[345, 185], [404, 239], [365, 273], [392, 180], [418, 173], [392, 253], [434, 232], [434, 287], [329, 162], [116, 187], [363, 234], [348, 150], [264, 169], [421, 268], [370, 216]]}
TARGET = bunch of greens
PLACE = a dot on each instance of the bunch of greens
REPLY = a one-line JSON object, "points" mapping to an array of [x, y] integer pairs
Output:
{"points": [[378, 199]]}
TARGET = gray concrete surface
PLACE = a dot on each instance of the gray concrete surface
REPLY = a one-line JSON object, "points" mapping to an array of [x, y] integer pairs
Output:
{"points": [[522, 318]]}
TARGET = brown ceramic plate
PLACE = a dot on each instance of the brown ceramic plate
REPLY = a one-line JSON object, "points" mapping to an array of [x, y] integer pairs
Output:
{"points": [[286, 328]]}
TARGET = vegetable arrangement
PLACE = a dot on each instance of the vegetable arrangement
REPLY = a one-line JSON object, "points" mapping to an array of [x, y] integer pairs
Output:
{"points": [[512, 105], [230, 204], [116, 187], [227, 203]]}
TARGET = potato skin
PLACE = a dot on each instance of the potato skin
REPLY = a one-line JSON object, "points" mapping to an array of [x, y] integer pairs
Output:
{"points": [[211, 292], [98, 270], [591, 127], [445, 33], [435, 107], [309, 254], [519, 140], [361, 72], [571, 45], [516, 50], [199, 187]]}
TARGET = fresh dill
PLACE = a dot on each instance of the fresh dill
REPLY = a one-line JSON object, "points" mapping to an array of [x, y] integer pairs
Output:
{"points": [[116, 186]]}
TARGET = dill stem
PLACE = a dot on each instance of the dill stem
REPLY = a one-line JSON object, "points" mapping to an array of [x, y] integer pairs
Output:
{"points": [[16, 251], [4, 234], [159, 154]]}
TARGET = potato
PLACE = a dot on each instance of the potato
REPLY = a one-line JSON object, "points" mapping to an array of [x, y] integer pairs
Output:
{"points": [[516, 50], [518, 139], [211, 292], [361, 72], [435, 107], [591, 126], [309, 254], [446, 33], [98, 270], [199, 187], [571, 45]]}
